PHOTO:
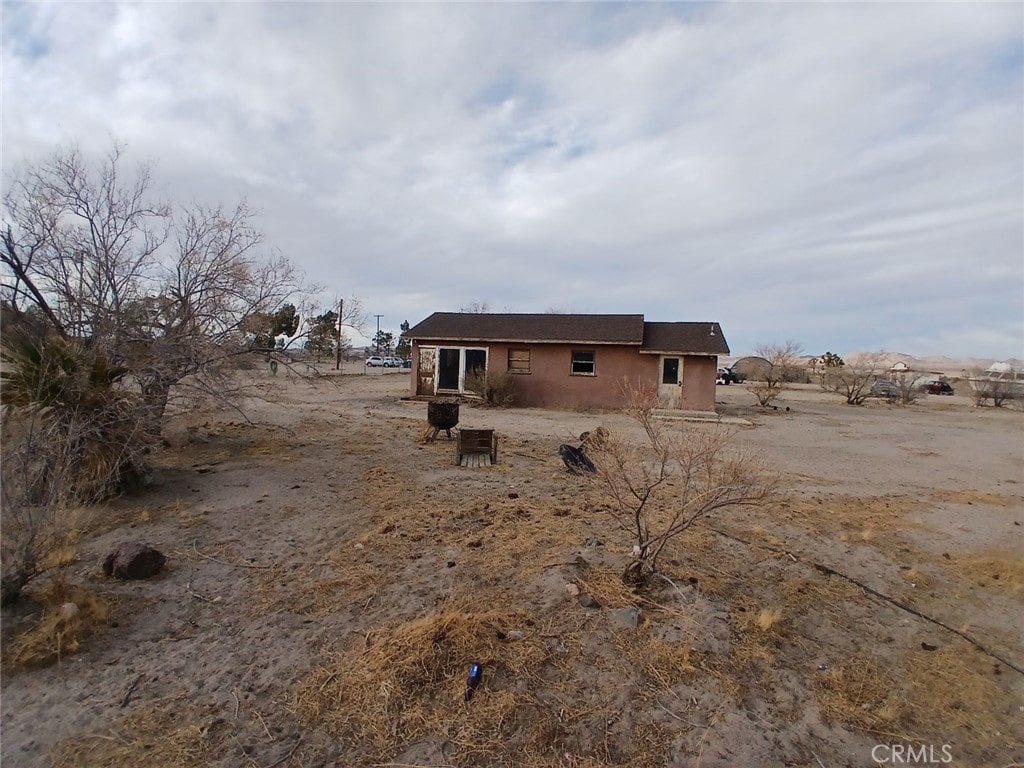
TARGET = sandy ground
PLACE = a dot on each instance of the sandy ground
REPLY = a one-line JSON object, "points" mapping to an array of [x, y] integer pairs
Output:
{"points": [[314, 549]]}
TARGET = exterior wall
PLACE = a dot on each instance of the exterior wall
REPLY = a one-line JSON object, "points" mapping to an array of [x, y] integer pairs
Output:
{"points": [[550, 383], [699, 374]]}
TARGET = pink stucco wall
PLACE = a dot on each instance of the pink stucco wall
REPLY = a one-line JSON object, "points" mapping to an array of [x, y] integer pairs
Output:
{"points": [[550, 383]]}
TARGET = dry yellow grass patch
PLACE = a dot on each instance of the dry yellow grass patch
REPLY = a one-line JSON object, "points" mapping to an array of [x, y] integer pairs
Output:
{"points": [[860, 517], [175, 734], [972, 496], [953, 692], [859, 693], [411, 681], [998, 569], [70, 615]]}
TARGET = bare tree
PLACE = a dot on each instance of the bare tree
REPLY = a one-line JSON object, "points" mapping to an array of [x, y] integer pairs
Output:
{"points": [[164, 295], [853, 378], [476, 308], [989, 385], [783, 362], [660, 487]]}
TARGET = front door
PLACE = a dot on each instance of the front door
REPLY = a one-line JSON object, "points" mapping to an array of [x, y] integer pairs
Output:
{"points": [[448, 368], [669, 391], [425, 376]]}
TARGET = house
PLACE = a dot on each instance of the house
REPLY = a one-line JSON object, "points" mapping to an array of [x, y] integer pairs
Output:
{"points": [[569, 361]]}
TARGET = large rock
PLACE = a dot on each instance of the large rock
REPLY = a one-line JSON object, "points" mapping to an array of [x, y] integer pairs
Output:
{"points": [[132, 560]]}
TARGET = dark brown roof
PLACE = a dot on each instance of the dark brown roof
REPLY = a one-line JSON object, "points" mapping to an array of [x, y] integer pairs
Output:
{"points": [[695, 338], [469, 326]]}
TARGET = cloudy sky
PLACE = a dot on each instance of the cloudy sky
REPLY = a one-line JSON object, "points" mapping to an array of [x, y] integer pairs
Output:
{"points": [[850, 176]]}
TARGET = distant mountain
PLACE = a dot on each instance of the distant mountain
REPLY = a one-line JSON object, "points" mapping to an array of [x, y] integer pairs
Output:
{"points": [[949, 366]]}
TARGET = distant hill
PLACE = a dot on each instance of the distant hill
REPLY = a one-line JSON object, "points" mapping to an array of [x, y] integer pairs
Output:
{"points": [[949, 366]]}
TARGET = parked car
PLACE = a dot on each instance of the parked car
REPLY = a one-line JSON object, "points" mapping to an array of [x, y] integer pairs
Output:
{"points": [[937, 387], [375, 361], [407, 363], [885, 388]]}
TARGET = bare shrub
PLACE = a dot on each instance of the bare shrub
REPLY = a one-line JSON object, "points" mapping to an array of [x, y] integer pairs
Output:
{"points": [[987, 386], [660, 487], [783, 365], [851, 379], [495, 389]]}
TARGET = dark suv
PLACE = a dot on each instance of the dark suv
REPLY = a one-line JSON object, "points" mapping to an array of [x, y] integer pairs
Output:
{"points": [[937, 387]]}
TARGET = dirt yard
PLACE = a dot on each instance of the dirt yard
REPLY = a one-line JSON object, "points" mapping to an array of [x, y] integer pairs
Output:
{"points": [[331, 577]]}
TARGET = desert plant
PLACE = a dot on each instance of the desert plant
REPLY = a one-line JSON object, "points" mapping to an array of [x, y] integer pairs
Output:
{"points": [[495, 389], [852, 380], [71, 435], [660, 487], [172, 297], [986, 386], [783, 365]]}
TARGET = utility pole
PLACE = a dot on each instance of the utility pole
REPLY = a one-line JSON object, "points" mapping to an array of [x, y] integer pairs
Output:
{"points": [[337, 337], [376, 338]]}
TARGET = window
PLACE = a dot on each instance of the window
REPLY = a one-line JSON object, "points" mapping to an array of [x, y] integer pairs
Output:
{"points": [[582, 363], [519, 361], [670, 371]]}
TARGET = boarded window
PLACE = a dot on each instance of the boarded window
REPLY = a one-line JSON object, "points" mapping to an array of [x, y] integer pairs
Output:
{"points": [[583, 363], [519, 361]]}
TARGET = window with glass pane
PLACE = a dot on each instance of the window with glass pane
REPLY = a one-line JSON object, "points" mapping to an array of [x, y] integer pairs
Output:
{"points": [[583, 363]]}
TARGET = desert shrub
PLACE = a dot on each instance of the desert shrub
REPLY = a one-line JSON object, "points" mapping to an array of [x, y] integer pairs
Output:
{"points": [[495, 389], [659, 488], [852, 380], [71, 435], [783, 365]]}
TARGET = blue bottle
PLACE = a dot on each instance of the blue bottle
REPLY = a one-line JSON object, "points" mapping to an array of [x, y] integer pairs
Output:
{"points": [[476, 673]]}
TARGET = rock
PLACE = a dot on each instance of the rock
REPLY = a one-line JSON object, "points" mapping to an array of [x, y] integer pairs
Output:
{"points": [[572, 589], [515, 634], [68, 612], [630, 616], [132, 560], [587, 601]]}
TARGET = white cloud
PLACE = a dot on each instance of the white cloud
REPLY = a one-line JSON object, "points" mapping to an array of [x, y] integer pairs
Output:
{"points": [[828, 173]]}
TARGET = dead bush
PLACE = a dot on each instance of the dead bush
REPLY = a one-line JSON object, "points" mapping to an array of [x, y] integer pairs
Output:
{"points": [[497, 390], [659, 488], [783, 366]]}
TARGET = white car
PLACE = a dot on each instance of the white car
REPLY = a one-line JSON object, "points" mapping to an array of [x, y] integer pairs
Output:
{"points": [[375, 361]]}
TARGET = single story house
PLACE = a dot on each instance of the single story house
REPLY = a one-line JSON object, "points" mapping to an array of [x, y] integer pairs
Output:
{"points": [[569, 361]]}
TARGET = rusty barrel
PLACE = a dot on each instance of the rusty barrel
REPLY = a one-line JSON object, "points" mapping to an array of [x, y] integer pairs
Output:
{"points": [[443, 414]]}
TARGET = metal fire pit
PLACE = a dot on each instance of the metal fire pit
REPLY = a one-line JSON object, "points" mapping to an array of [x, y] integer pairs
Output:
{"points": [[442, 414]]}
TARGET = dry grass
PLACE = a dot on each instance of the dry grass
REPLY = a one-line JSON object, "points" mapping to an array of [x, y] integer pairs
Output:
{"points": [[411, 680], [971, 496], [175, 734], [768, 618], [998, 569], [950, 695], [70, 616], [954, 691], [859, 693], [860, 517]]}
